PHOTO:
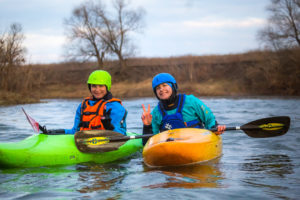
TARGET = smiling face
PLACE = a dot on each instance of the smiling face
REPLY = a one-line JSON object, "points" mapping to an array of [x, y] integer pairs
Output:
{"points": [[98, 91], [163, 91]]}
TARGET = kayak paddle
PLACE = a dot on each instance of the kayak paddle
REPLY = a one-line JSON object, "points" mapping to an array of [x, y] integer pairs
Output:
{"points": [[35, 125], [262, 128], [94, 141], [97, 141]]}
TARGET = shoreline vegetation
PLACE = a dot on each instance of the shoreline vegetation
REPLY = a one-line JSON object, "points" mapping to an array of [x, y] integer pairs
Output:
{"points": [[255, 73]]}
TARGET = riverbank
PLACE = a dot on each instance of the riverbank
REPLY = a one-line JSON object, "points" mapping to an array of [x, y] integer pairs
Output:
{"points": [[257, 73], [129, 90], [12, 98]]}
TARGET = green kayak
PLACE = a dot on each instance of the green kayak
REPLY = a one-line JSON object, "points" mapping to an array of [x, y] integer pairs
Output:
{"points": [[46, 150]]}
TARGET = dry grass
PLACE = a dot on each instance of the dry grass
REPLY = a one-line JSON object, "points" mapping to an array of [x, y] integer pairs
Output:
{"points": [[144, 89], [64, 91], [212, 88], [251, 73], [127, 89], [12, 98]]}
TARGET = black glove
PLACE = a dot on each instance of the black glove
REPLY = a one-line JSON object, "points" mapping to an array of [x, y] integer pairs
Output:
{"points": [[52, 132], [106, 120]]}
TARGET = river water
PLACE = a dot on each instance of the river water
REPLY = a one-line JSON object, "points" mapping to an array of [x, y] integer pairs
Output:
{"points": [[250, 168]]}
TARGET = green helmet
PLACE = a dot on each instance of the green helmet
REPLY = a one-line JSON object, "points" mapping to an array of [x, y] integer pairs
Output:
{"points": [[100, 77]]}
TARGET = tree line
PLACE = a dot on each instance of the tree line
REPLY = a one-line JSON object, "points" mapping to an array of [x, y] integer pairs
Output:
{"points": [[100, 33]]}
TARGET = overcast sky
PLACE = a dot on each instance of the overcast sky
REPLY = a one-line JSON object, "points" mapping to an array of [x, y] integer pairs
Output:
{"points": [[173, 27]]}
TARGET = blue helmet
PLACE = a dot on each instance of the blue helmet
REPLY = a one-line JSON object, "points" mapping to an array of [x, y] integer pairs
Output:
{"points": [[164, 78]]}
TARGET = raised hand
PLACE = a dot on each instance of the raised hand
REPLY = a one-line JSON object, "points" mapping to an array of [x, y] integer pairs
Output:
{"points": [[146, 116]]}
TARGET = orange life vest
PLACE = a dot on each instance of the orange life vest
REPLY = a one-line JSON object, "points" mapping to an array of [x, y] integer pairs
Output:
{"points": [[91, 115]]}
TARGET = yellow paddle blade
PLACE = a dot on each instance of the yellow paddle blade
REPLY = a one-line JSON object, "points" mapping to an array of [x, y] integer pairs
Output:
{"points": [[97, 140], [267, 127], [271, 126]]}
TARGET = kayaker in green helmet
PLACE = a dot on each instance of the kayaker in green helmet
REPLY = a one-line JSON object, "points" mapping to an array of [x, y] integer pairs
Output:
{"points": [[99, 111], [176, 110]]}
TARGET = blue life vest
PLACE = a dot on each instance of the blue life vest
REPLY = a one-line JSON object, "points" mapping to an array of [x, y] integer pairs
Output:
{"points": [[173, 121]]}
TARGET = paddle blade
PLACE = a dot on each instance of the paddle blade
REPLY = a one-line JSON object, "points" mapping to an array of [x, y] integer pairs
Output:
{"points": [[267, 127], [98, 141], [32, 122]]}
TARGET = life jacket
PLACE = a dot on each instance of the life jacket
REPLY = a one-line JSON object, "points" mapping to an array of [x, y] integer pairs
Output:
{"points": [[91, 115], [173, 121]]}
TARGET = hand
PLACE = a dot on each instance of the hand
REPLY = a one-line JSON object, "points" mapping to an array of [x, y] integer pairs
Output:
{"points": [[43, 129], [55, 132], [221, 129], [52, 131], [146, 116], [106, 120]]}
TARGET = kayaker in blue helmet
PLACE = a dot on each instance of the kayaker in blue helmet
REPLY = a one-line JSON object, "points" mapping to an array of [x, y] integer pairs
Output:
{"points": [[176, 110], [100, 111]]}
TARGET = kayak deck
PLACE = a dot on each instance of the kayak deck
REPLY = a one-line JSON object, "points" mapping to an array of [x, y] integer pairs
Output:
{"points": [[47, 150], [182, 147]]}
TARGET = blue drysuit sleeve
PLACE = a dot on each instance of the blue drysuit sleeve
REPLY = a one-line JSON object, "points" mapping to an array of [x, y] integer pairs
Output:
{"points": [[156, 120], [202, 111]]}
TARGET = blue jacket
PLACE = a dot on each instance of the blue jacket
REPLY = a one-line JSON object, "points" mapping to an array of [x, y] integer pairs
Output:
{"points": [[193, 109], [118, 117]]}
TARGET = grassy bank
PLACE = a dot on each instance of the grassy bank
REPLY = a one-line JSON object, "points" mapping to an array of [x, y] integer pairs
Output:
{"points": [[121, 90], [12, 98], [247, 74]]}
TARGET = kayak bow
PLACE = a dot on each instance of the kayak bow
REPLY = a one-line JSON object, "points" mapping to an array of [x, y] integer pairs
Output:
{"points": [[182, 147]]}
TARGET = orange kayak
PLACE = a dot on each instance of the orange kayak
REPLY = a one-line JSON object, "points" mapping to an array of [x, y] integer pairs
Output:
{"points": [[182, 147]]}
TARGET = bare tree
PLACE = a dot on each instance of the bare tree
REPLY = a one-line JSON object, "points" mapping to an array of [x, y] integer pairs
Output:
{"points": [[95, 33], [12, 52], [85, 43], [283, 27]]}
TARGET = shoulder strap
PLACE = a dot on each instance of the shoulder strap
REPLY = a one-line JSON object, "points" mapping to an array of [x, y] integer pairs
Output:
{"points": [[161, 109], [100, 107], [83, 106], [180, 102]]}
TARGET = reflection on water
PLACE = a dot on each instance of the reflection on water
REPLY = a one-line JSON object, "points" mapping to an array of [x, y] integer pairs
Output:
{"points": [[94, 177], [278, 165], [206, 175], [268, 172]]}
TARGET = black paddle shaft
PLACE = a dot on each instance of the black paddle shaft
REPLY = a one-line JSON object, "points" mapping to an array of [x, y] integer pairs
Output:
{"points": [[233, 128], [125, 138], [110, 140]]}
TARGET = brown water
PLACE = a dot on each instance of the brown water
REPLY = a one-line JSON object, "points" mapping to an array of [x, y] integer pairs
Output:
{"points": [[249, 168]]}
